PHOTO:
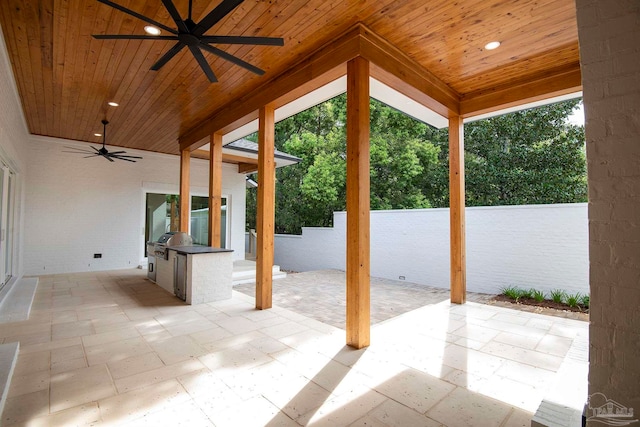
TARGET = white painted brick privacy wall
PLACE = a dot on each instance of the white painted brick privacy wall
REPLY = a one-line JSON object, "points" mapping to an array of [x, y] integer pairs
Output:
{"points": [[76, 207], [14, 138], [541, 246], [609, 36]]}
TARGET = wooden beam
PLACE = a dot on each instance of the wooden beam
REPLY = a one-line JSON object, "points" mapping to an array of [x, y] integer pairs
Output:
{"points": [[456, 211], [215, 190], [358, 183], [536, 88], [185, 196], [247, 167], [394, 68], [266, 207]]}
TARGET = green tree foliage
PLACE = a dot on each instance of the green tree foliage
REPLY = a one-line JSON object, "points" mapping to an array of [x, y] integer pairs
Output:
{"points": [[527, 157]]}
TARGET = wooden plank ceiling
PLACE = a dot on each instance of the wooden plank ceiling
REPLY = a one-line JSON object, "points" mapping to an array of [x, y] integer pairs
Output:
{"points": [[65, 77]]}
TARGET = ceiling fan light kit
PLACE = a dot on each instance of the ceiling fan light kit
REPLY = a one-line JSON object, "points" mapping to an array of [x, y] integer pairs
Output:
{"points": [[192, 35], [103, 152]]}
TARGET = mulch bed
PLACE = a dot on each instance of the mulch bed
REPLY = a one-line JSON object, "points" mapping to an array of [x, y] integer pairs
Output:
{"points": [[546, 304]]}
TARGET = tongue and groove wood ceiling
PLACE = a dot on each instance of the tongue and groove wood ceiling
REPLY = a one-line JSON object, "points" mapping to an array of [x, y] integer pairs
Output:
{"points": [[65, 77]]}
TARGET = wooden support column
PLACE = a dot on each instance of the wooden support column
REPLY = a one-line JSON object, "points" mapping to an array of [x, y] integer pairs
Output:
{"points": [[456, 211], [215, 189], [185, 196], [358, 183], [266, 207]]}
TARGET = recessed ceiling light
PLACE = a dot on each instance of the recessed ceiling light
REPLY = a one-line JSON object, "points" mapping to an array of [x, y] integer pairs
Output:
{"points": [[492, 45], [151, 30], [113, 104], [97, 134]]}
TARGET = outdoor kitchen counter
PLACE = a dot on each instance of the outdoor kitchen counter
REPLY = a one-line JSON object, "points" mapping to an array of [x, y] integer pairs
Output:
{"points": [[200, 274], [197, 249]]}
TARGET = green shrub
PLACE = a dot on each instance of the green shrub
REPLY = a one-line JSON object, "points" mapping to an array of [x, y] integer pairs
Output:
{"points": [[539, 296], [574, 300], [526, 293], [558, 296], [584, 300], [511, 292]]}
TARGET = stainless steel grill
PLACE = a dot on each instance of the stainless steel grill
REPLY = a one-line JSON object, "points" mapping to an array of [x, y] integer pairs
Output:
{"points": [[172, 238]]}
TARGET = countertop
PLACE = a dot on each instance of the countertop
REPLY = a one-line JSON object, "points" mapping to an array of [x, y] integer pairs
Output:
{"points": [[197, 249]]}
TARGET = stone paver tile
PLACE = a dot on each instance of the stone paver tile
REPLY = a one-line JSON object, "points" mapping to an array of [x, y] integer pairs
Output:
{"points": [[154, 376], [415, 389], [393, 414], [344, 409], [531, 357], [26, 406], [463, 408], [176, 349], [79, 387], [134, 365], [127, 407], [115, 351], [554, 344]]}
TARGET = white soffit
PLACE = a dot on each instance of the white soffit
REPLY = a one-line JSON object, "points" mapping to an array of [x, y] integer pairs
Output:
{"points": [[525, 106], [382, 93]]}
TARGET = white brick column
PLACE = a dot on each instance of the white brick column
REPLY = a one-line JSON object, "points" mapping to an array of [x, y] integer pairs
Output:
{"points": [[609, 35]]}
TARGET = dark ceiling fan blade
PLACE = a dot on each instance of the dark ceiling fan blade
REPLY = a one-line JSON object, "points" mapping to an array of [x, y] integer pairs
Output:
{"points": [[122, 158], [121, 155], [215, 16], [98, 151], [137, 15], [106, 156], [234, 59], [171, 8], [78, 151], [261, 41], [131, 37], [111, 153], [203, 63], [167, 56]]}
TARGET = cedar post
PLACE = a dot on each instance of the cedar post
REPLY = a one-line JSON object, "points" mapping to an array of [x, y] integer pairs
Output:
{"points": [[185, 196], [456, 211], [215, 189], [358, 182], [266, 207]]}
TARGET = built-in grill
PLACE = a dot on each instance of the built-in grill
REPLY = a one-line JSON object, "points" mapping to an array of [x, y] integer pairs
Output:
{"points": [[172, 238], [157, 251]]}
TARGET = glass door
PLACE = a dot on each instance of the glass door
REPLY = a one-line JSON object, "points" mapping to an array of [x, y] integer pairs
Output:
{"points": [[200, 221], [7, 179]]}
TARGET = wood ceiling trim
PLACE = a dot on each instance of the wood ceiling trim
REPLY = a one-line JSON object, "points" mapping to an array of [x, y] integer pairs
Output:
{"points": [[560, 82]]}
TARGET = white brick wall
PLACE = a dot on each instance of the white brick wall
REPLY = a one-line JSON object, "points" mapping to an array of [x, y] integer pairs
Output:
{"points": [[13, 146], [609, 35], [76, 207], [541, 246]]}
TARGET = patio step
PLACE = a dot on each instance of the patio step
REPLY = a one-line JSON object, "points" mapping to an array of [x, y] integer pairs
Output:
{"points": [[244, 271], [16, 298], [8, 357]]}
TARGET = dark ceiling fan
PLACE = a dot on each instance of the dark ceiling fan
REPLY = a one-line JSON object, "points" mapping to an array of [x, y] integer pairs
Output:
{"points": [[103, 151], [191, 35]]}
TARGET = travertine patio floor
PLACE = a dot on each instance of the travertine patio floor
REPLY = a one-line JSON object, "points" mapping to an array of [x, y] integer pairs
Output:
{"points": [[112, 348], [321, 295]]}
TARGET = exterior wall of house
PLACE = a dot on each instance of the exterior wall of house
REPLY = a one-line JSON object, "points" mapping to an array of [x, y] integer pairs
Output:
{"points": [[540, 246], [76, 207], [14, 138], [609, 36]]}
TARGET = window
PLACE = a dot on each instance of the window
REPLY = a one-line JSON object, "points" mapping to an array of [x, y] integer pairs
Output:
{"points": [[162, 215]]}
